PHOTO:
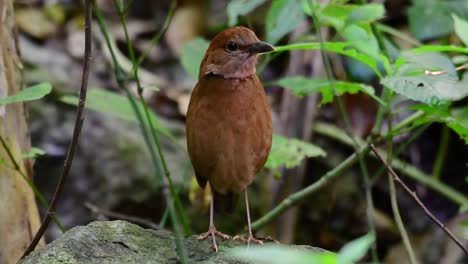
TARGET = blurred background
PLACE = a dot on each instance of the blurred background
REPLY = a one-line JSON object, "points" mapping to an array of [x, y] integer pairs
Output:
{"points": [[113, 175]]}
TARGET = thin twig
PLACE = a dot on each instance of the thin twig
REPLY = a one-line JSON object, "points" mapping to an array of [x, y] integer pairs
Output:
{"points": [[76, 131], [409, 170], [418, 201], [137, 220]]}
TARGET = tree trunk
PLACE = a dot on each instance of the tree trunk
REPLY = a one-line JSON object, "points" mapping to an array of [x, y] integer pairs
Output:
{"points": [[19, 217]]}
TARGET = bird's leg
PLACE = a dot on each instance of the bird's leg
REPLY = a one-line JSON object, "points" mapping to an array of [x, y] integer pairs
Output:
{"points": [[250, 238], [212, 229]]}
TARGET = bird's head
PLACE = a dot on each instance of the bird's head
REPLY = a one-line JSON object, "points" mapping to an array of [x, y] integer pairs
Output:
{"points": [[233, 54]]}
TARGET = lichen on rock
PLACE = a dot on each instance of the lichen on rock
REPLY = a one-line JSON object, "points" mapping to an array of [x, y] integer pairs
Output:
{"points": [[108, 242]]}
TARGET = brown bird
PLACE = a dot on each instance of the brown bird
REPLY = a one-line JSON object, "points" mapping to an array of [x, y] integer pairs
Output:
{"points": [[229, 129]]}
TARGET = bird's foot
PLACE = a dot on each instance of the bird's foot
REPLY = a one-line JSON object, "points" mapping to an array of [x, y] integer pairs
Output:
{"points": [[249, 239], [213, 233]]}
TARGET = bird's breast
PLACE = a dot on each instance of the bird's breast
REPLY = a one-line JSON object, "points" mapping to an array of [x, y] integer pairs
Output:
{"points": [[228, 131]]}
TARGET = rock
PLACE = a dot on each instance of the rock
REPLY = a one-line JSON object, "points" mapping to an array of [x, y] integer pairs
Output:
{"points": [[122, 242]]}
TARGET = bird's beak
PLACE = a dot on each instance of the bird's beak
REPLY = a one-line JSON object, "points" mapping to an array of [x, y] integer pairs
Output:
{"points": [[261, 47]]}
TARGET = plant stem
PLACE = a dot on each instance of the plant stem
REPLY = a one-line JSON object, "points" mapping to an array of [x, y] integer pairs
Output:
{"points": [[418, 201], [409, 170], [146, 110], [400, 149], [389, 30], [348, 128], [393, 196], [159, 34], [168, 191], [441, 153], [297, 197]]}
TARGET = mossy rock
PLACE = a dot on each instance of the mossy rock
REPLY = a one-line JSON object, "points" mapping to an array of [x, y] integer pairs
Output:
{"points": [[104, 242]]}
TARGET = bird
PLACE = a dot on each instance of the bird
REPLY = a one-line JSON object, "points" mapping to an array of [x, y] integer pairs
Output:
{"points": [[228, 121]]}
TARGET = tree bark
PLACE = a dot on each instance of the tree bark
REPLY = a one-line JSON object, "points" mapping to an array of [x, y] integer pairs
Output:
{"points": [[19, 217]]}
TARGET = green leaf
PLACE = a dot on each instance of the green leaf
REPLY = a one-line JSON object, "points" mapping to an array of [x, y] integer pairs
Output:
{"points": [[192, 55], [412, 82], [2, 161], [429, 19], [458, 122], [282, 17], [356, 249], [461, 210], [33, 153], [302, 86], [238, 8], [418, 63], [461, 28], [366, 13], [456, 119], [363, 40], [336, 15], [432, 90], [116, 105], [28, 94], [343, 48], [290, 152], [277, 254]]}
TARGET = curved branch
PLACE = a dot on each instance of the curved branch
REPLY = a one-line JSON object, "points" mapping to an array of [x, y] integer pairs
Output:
{"points": [[76, 133]]}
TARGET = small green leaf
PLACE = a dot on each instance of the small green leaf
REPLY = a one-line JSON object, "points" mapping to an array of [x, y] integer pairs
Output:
{"points": [[2, 161], [282, 17], [290, 152], [238, 8], [28, 94], [461, 28], [308, 7], [366, 13], [356, 249], [456, 119], [116, 105], [460, 59], [277, 254], [363, 40], [302, 86], [33, 153], [335, 15], [192, 55]]}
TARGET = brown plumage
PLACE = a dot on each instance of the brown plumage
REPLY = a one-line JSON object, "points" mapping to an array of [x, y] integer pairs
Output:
{"points": [[229, 129]]}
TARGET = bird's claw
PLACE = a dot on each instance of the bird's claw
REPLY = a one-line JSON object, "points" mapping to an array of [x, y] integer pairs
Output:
{"points": [[213, 233], [248, 240]]}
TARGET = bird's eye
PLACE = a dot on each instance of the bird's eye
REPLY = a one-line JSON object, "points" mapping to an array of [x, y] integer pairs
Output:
{"points": [[231, 46]]}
